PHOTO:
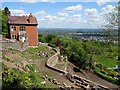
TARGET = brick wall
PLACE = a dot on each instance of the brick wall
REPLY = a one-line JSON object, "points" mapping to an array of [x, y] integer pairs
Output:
{"points": [[14, 32], [32, 35]]}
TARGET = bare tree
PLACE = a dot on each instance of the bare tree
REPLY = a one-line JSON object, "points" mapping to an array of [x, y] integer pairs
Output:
{"points": [[112, 25]]}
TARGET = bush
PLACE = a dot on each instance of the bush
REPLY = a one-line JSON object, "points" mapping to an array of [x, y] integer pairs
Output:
{"points": [[108, 78], [17, 79]]}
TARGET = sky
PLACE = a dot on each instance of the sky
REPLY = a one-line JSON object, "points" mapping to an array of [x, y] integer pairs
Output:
{"points": [[63, 13]]}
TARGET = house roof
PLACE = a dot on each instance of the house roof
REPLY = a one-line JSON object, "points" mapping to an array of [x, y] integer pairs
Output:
{"points": [[21, 20]]}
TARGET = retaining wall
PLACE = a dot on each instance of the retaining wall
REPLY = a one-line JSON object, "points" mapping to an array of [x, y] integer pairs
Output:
{"points": [[15, 45], [51, 60]]}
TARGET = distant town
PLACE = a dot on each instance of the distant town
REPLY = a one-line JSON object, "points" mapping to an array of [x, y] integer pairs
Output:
{"points": [[84, 34]]}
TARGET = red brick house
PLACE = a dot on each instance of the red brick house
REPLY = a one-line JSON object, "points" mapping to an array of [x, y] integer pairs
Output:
{"points": [[23, 28]]}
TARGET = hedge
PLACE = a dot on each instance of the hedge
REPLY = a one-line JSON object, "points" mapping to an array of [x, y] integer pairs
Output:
{"points": [[108, 78]]}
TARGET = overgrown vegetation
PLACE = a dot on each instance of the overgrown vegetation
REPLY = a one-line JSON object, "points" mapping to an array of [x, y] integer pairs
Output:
{"points": [[17, 79], [24, 72], [86, 54]]}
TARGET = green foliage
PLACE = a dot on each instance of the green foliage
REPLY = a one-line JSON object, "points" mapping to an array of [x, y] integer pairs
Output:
{"points": [[51, 38], [39, 48], [28, 78], [4, 22], [104, 76], [106, 73], [12, 80], [18, 79], [108, 62], [41, 38], [31, 67], [84, 53], [75, 52]]}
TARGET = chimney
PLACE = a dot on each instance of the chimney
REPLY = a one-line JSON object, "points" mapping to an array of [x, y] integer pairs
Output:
{"points": [[7, 12], [30, 18]]}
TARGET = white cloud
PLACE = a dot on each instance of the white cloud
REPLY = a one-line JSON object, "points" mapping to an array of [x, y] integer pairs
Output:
{"points": [[30, 1], [49, 17], [84, 21], [77, 15], [101, 2], [62, 18], [107, 9], [94, 18], [40, 13], [17, 12], [42, 19], [55, 17], [74, 8], [92, 12], [62, 14]]}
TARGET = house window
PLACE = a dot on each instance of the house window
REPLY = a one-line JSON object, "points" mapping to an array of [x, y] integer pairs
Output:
{"points": [[22, 28], [22, 36], [14, 36], [13, 28]]}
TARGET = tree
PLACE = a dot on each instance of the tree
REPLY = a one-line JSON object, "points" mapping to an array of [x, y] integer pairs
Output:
{"points": [[111, 26], [7, 12], [75, 52], [4, 22], [57, 43], [0, 21], [50, 38]]}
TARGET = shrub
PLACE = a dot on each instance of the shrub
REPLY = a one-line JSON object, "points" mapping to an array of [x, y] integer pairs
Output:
{"points": [[108, 78]]}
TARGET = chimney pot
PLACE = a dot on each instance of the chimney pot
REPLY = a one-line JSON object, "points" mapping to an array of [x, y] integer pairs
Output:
{"points": [[30, 18]]}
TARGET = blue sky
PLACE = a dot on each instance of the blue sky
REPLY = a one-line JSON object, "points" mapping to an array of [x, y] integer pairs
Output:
{"points": [[62, 14]]}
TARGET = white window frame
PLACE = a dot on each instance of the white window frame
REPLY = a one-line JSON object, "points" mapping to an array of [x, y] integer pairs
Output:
{"points": [[22, 28], [13, 28], [13, 36]]}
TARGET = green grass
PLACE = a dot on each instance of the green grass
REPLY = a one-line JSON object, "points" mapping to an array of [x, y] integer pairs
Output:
{"points": [[108, 62], [32, 52], [39, 48]]}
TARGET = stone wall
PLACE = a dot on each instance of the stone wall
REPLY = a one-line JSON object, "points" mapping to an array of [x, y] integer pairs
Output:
{"points": [[52, 60], [15, 45]]}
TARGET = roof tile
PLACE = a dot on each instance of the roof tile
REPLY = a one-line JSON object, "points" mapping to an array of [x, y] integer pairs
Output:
{"points": [[21, 20]]}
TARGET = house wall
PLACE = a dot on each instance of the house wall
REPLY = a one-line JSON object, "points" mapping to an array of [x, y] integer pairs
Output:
{"points": [[14, 32], [32, 35], [31, 32]]}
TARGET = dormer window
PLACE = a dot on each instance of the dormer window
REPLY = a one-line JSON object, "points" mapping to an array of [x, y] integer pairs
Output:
{"points": [[13, 28], [22, 28]]}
